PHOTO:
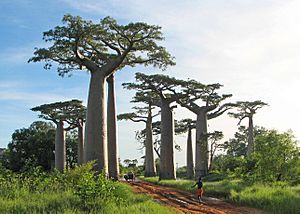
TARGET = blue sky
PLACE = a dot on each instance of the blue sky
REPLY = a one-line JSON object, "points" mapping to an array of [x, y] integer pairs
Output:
{"points": [[251, 47]]}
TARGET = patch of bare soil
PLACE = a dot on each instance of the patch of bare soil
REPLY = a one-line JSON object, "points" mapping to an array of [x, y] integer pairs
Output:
{"points": [[185, 202]]}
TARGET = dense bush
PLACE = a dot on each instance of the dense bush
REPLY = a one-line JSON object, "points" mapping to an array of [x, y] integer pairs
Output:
{"points": [[275, 158]]}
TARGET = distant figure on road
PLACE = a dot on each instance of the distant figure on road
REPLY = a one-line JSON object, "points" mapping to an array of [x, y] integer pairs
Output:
{"points": [[129, 176], [199, 191]]}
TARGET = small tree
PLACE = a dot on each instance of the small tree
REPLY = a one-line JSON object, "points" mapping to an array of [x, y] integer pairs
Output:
{"points": [[237, 146], [31, 147], [276, 157], [247, 110], [214, 139], [75, 117], [59, 112]]}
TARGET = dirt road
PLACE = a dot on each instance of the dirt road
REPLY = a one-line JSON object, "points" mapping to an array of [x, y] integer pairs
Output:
{"points": [[185, 202]]}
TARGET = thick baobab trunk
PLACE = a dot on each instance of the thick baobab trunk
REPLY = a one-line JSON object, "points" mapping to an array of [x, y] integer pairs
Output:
{"points": [[95, 146], [167, 167], [150, 169], [189, 156], [201, 157], [250, 147], [80, 144], [112, 146], [60, 147]]}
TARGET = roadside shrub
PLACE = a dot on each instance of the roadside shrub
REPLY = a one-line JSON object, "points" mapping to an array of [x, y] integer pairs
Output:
{"points": [[93, 189]]}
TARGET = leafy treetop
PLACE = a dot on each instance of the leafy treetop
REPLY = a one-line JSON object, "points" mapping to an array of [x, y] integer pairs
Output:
{"points": [[158, 84], [193, 90], [184, 125], [105, 46], [73, 112], [247, 109]]}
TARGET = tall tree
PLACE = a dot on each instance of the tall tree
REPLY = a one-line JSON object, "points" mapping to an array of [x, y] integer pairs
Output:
{"points": [[112, 144], [59, 112], [144, 115], [102, 48], [246, 109], [159, 84], [186, 125], [192, 91]]}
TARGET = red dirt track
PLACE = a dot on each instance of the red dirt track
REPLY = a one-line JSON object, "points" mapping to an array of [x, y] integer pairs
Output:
{"points": [[185, 202]]}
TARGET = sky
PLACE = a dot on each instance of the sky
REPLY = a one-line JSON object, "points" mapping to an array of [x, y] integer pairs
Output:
{"points": [[250, 47]]}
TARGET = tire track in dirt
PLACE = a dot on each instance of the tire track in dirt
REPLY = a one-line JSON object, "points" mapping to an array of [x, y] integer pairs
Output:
{"points": [[185, 202]]}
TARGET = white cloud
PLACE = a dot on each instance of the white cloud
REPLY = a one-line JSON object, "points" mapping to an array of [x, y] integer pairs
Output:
{"points": [[16, 55]]}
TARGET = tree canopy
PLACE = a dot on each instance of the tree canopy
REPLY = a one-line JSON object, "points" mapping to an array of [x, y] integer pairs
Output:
{"points": [[68, 111], [32, 146], [246, 109], [79, 43]]}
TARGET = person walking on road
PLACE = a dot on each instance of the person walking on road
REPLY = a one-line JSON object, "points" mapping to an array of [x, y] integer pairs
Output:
{"points": [[199, 191]]}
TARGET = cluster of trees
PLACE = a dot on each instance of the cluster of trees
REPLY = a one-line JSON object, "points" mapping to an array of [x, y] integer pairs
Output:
{"points": [[276, 157], [72, 113], [204, 100], [104, 48], [34, 146]]}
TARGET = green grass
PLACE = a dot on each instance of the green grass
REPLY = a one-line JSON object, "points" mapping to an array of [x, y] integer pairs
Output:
{"points": [[67, 202], [77, 191], [278, 198], [275, 199]]}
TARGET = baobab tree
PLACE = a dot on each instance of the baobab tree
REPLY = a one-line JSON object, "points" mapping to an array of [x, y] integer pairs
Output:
{"points": [[141, 136], [102, 48], [76, 119], [59, 112], [112, 144], [144, 114], [157, 84], [156, 131], [246, 109], [192, 91], [186, 125]]}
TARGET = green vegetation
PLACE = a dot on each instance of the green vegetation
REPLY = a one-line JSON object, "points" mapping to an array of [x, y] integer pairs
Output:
{"points": [[77, 191], [268, 179]]}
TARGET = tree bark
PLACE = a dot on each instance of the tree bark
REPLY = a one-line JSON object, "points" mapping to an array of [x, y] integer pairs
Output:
{"points": [[201, 157], [211, 157], [112, 146], [60, 147], [95, 147], [80, 144], [250, 147], [167, 167], [189, 156], [150, 169]]}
